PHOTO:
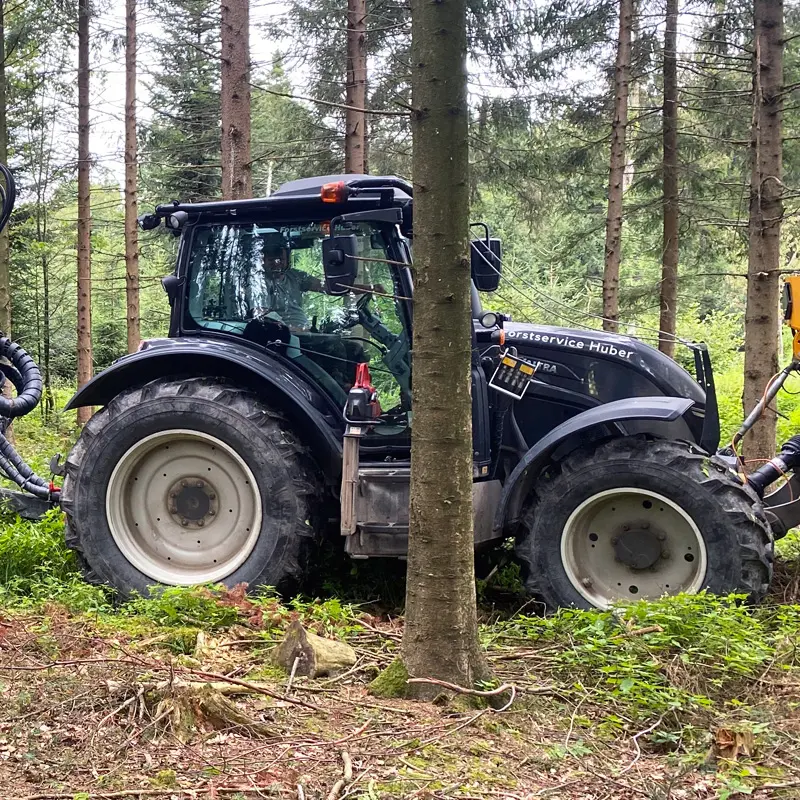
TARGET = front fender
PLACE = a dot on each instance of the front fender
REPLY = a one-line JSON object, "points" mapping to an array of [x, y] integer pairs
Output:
{"points": [[314, 416], [576, 431]]}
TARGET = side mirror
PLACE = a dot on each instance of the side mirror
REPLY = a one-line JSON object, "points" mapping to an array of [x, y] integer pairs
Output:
{"points": [[172, 286], [340, 263], [486, 261]]}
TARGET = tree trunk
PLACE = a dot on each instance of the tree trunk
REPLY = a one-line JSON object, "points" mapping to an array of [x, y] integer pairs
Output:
{"points": [[131, 182], [355, 120], [85, 368], [616, 171], [5, 296], [669, 251], [441, 638], [237, 171], [761, 324]]}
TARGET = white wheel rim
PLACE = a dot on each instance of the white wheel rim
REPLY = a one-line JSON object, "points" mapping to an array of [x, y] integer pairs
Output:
{"points": [[631, 544], [183, 507]]}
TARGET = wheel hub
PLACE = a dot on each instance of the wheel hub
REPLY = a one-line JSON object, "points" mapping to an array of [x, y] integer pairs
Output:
{"points": [[192, 502], [629, 543], [638, 548], [183, 507]]}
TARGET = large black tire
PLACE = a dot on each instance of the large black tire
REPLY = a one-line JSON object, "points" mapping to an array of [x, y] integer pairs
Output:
{"points": [[728, 516], [288, 482]]}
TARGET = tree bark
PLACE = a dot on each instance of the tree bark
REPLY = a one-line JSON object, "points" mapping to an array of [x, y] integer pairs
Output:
{"points": [[131, 182], [355, 120], [441, 638], [616, 171], [237, 172], [669, 251], [85, 367], [766, 212], [5, 295]]}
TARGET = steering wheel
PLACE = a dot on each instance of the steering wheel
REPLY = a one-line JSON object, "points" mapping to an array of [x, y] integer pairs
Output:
{"points": [[264, 328]]}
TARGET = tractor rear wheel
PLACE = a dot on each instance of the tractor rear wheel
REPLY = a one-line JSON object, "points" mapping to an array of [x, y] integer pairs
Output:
{"points": [[187, 482], [637, 519]]}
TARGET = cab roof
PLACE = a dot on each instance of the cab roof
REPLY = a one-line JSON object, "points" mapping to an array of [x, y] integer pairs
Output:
{"points": [[364, 190]]}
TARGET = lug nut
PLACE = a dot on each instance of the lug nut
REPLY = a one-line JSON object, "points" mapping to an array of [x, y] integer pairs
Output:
{"points": [[662, 537], [645, 526], [665, 554], [200, 523], [614, 539], [184, 483], [173, 495], [211, 512], [199, 484], [212, 496], [184, 522], [626, 527]]}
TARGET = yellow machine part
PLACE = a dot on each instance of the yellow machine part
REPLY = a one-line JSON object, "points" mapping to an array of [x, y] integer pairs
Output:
{"points": [[791, 310]]}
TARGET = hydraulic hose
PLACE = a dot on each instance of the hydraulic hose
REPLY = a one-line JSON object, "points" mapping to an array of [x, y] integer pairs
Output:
{"points": [[27, 380], [787, 460], [24, 375]]}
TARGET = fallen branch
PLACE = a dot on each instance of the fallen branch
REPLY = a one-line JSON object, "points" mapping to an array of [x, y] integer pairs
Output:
{"points": [[387, 634], [172, 792], [647, 629], [636, 743], [506, 687], [292, 674], [775, 786], [348, 767], [345, 780], [171, 668]]}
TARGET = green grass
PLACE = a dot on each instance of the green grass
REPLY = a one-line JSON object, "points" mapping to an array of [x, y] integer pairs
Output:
{"points": [[701, 650]]}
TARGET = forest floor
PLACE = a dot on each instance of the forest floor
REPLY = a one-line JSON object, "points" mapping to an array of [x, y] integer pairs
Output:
{"points": [[177, 696]]}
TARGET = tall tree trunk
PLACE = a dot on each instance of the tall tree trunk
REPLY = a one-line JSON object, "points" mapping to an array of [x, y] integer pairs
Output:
{"points": [[131, 182], [441, 637], [616, 170], [237, 170], [669, 247], [761, 324], [85, 368], [5, 295], [355, 120]]}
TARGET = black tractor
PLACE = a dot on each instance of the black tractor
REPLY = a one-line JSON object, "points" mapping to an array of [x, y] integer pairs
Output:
{"points": [[282, 401], [282, 398]]}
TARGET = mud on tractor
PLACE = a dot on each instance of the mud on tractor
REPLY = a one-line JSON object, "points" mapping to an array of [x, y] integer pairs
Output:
{"points": [[282, 399]]}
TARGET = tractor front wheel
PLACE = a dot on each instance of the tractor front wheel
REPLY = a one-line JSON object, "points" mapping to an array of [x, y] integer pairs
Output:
{"points": [[190, 482], [638, 519]]}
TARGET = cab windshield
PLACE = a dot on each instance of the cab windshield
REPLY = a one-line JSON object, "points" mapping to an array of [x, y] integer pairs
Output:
{"points": [[265, 283]]}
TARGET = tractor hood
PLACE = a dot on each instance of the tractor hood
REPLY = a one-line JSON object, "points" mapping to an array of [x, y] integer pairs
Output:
{"points": [[575, 355]]}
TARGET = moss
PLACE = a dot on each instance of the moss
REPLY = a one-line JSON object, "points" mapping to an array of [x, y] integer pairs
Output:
{"points": [[182, 641], [166, 778], [392, 682], [267, 672]]}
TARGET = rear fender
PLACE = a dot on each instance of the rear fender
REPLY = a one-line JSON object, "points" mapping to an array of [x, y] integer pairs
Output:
{"points": [[313, 415], [600, 422]]}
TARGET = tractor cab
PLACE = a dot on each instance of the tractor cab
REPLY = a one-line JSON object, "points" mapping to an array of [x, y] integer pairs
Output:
{"points": [[318, 275]]}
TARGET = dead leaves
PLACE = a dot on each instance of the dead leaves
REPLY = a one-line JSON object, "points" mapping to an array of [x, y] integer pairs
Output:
{"points": [[731, 744]]}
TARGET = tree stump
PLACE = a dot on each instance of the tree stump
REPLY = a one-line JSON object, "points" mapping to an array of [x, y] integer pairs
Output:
{"points": [[316, 656]]}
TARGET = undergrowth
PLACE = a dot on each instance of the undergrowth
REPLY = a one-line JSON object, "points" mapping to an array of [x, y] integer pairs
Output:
{"points": [[683, 653], [647, 660]]}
